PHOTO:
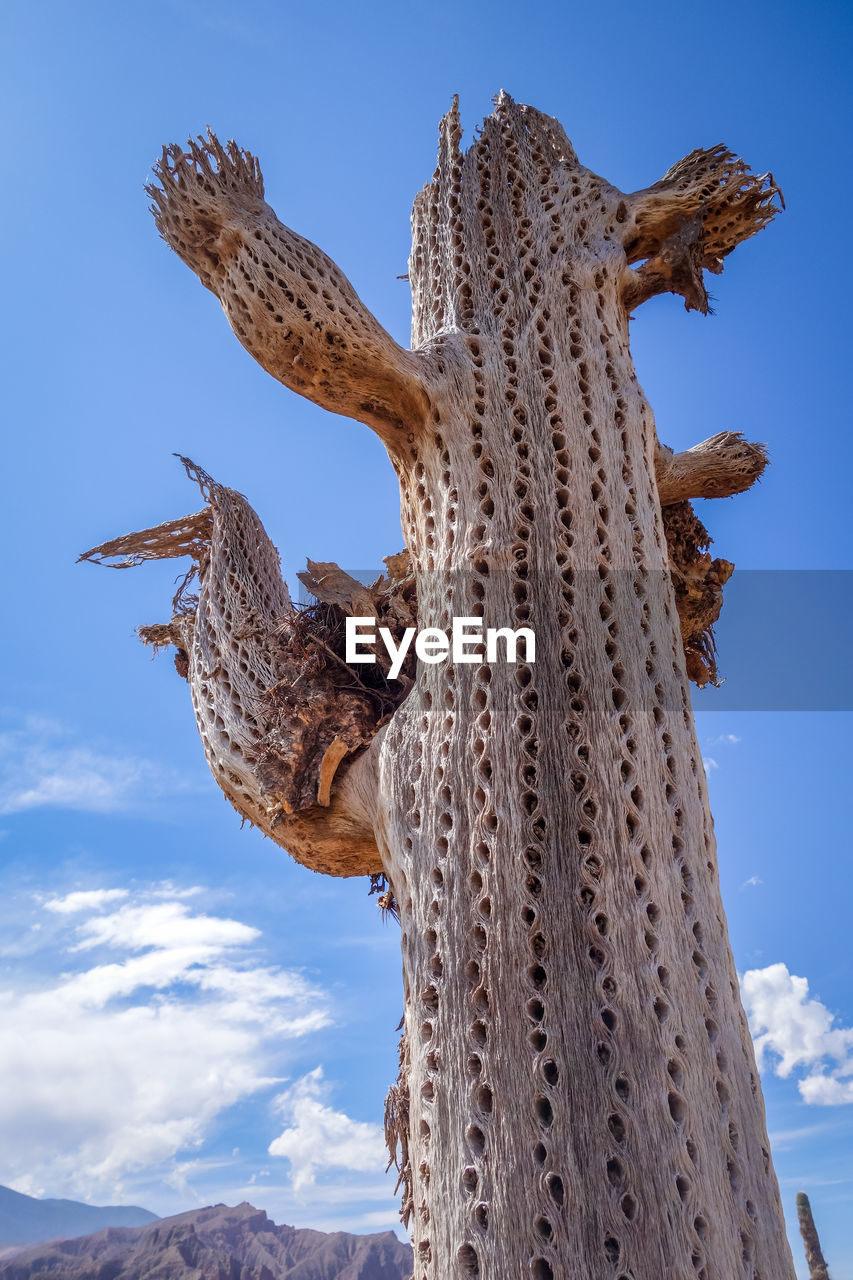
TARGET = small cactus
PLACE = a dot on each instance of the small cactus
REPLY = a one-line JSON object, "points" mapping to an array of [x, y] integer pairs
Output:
{"points": [[814, 1254]]}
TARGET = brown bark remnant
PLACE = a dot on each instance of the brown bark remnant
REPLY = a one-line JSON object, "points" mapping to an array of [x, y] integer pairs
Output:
{"points": [[725, 464], [687, 223], [578, 1094], [397, 1122], [811, 1241], [698, 582]]}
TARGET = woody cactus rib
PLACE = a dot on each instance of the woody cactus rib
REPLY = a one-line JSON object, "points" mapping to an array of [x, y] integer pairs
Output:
{"points": [[277, 709], [724, 465], [577, 1094], [290, 306], [689, 221]]}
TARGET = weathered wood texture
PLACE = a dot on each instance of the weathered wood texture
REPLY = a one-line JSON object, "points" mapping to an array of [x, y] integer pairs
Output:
{"points": [[578, 1096], [583, 1097], [274, 715]]}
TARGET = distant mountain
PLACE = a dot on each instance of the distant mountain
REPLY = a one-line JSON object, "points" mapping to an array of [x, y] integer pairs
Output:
{"points": [[26, 1220], [214, 1244]]}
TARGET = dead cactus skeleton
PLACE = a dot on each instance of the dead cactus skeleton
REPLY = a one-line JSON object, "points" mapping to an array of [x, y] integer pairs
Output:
{"points": [[578, 1093]]}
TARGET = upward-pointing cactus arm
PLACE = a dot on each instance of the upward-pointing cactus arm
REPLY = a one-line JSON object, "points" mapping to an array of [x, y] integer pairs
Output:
{"points": [[291, 307]]}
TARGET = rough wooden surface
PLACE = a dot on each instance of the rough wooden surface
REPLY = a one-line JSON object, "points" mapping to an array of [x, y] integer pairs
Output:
{"points": [[725, 464], [578, 1095], [275, 717], [583, 1099]]}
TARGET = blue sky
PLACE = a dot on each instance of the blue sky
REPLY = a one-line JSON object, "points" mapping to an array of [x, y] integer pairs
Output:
{"points": [[139, 1069]]}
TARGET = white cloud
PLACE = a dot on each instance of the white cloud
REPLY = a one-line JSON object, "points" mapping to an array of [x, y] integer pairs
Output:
{"points": [[387, 1218], [317, 1137], [709, 764], [752, 883], [27, 1186], [41, 767], [84, 900], [178, 1177], [123, 1064], [173, 891], [783, 1139], [799, 1033], [828, 1091], [166, 926], [724, 740]]}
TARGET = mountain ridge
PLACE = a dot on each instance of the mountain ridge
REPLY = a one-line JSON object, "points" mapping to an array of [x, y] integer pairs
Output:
{"points": [[215, 1243], [29, 1220]]}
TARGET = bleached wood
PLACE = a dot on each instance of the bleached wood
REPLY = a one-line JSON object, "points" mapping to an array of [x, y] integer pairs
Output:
{"points": [[275, 741], [290, 306], [719, 467], [578, 1097], [581, 1093]]}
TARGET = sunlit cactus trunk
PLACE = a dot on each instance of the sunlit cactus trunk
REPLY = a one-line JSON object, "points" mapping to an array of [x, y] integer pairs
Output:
{"points": [[578, 1097], [583, 1098]]}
